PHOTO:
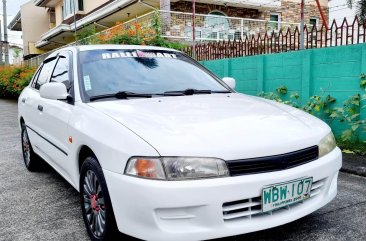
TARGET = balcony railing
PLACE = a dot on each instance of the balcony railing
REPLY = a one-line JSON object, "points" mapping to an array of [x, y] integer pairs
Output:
{"points": [[179, 26]]}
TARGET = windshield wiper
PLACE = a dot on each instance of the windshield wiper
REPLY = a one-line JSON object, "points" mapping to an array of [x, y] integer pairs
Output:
{"points": [[120, 95], [194, 92]]}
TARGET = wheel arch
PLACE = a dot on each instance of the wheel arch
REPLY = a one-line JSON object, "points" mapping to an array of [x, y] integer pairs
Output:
{"points": [[21, 121], [84, 152]]}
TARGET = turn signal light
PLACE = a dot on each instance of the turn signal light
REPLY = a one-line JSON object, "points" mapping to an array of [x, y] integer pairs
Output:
{"points": [[146, 168]]}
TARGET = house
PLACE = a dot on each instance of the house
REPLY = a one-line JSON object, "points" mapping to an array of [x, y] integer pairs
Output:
{"points": [[275, 10], [15, 54], [55, 22], [32, 21], [50, 24]]}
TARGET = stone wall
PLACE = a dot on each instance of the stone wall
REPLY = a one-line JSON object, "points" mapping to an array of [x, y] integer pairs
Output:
{"points": [[289, 11], [183, 6]]}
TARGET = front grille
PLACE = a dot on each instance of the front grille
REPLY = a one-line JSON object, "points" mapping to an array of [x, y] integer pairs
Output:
{"points": [[252, 207], [272, 163]]}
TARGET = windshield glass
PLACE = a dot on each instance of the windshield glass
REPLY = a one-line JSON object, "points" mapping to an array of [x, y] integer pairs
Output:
{"points": [[106, 72]]}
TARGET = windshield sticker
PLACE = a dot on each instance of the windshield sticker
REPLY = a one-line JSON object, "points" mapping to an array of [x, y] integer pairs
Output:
{"points": [[87, 83], [138, 54]]}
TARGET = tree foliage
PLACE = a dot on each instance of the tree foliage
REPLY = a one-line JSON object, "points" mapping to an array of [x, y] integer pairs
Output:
{"points": [[360, 6]]}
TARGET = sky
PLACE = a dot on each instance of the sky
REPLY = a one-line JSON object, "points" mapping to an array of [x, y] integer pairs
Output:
{"points": [[339, 10], [13, 6]]}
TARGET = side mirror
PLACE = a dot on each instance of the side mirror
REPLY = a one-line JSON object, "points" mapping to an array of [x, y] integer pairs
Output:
{"points": [[231, 82], [54, 91]]}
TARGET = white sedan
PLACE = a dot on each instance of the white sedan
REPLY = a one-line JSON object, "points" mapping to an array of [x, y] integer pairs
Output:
{"points": [[161, 149]]}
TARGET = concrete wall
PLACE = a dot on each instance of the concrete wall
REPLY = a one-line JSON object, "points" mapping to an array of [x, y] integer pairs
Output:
{"points": [[335, 71], [91, 5], [58, 14], [35, 22]]}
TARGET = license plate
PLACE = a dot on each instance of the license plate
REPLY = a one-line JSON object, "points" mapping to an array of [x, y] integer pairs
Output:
{"points": [[283, 194]]}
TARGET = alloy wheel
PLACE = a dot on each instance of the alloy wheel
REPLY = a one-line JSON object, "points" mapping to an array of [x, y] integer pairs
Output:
{"points": [[26, 148], [94, 204]]}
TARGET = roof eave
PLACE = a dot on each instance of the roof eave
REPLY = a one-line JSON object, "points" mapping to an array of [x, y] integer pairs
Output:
{"points": [[105, 11], [16, 20], [40, 3]]}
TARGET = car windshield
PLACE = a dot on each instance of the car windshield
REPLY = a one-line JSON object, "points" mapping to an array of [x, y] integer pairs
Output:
{"points": [[106, 72]]}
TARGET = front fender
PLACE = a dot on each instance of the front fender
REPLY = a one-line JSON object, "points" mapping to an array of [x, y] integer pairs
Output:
{"points": [[112, 143]]}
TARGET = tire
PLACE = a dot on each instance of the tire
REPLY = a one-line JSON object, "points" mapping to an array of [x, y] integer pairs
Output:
{"points": [[31, 160], [95, 203]]}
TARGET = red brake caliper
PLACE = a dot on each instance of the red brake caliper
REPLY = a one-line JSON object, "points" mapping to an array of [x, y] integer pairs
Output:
{"points": [[94, 199]]}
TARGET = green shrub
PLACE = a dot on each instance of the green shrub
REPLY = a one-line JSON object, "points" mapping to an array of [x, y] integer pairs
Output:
{"points": [[13, 80]]}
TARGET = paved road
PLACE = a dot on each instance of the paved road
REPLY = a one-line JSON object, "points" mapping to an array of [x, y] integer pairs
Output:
{"points": [[42, 206]]}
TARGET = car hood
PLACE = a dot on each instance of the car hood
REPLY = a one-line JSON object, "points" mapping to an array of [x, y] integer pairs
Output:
{"points": [[228, 126]]}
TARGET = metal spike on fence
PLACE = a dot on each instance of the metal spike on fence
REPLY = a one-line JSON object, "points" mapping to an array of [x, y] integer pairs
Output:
{"points": [[344, 22], [324, 30], [334, 23], [280, 41], [355, 21]]}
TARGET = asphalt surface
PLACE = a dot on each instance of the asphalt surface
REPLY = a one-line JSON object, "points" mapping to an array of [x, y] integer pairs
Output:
{"points": [[43, 206]]}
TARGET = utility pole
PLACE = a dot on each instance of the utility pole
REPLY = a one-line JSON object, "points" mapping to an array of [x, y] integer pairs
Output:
{"points": [[6, 43], [194, 27], [302, 39], [1, 45], [75, 33]]}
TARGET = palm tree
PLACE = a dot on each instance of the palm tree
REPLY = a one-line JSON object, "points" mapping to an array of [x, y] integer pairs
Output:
{"points": [[360, 7]]}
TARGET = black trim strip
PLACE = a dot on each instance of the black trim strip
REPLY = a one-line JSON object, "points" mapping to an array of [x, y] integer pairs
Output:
{"points": [[273, 163], [58, 148]]}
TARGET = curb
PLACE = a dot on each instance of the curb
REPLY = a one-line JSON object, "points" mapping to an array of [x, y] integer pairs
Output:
{"points": [[361, 173], [354, 164]]}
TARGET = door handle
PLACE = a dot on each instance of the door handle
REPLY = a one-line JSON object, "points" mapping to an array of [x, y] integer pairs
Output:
{"points": [[23, 100], [40, 108]]}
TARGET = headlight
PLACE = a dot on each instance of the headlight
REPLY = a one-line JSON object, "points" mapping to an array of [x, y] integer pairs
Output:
{"points": [[327, 144], [180, 168], [176, 168]]}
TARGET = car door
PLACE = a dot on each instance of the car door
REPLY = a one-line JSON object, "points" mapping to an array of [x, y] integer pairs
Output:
{"points": [[56, 115], [31, 104]]}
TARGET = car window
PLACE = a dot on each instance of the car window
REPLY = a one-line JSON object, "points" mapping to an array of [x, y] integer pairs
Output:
{"points": [[44, 74], [61, 72], [142, 71], [36, 77]]}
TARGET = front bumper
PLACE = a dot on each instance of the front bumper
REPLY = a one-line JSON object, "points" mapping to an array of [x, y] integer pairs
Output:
{"points": [[193, 210]]}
